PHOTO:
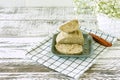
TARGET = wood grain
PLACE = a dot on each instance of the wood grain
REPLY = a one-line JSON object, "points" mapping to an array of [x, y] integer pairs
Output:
{"points": [[30, 22], [18, 33]]}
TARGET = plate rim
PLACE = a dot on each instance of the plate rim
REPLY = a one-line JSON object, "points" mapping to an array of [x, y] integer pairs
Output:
{"points": [[54, 51]]}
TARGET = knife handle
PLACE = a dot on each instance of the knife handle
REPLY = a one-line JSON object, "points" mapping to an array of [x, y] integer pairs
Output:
{"points": [[101, 40]]}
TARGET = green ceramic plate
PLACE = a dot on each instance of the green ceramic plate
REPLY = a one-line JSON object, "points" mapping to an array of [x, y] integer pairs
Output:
{"points": [[87, 47]]}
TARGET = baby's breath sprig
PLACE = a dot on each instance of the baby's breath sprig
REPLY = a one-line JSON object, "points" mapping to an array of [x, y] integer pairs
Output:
{"points": [[84, 6], [108, 7]]}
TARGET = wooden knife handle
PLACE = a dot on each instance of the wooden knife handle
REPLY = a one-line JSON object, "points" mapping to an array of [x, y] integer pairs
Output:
{"points": [[101, 40]]}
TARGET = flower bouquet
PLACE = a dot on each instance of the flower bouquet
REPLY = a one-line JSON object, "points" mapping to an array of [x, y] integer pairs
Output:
{"points": [[107, 11], [108, 16]]}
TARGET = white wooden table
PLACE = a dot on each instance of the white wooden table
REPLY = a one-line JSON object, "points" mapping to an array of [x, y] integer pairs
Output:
{"points": [[22, 28]]}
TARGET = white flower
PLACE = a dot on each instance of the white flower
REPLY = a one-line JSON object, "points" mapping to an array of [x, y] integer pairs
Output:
{"points": [[108, 7]]}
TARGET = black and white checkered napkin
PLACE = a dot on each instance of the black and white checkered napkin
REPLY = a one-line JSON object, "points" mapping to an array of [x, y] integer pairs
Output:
{"points": [[73, 67]]}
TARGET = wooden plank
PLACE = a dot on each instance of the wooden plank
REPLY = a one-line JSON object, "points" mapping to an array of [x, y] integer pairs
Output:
{"points": [[20, 65], [18, 68], [33, 76], [30, 22], [42, 13]]}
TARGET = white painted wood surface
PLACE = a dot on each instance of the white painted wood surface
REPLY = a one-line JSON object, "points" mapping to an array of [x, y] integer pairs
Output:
{"points": [[22, 28], [36, 3]]}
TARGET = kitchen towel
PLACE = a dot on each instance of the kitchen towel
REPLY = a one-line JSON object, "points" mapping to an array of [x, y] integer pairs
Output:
{"points": [[72, 67]]}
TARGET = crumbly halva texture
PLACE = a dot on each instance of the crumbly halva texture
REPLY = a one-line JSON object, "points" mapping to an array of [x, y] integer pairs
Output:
{"points": [[70, 40], [75, 37], [70, 26], [69, 48]]}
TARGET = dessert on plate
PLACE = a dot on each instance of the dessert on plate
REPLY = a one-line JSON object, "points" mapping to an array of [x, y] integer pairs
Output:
{"points": [[70, 40]]}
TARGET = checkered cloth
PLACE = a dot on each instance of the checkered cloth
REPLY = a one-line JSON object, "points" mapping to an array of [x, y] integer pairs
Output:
{"points": [[73, 67]]}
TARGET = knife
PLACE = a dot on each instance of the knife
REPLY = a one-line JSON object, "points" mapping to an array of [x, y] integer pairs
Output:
{"points": [[101, 40]]}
